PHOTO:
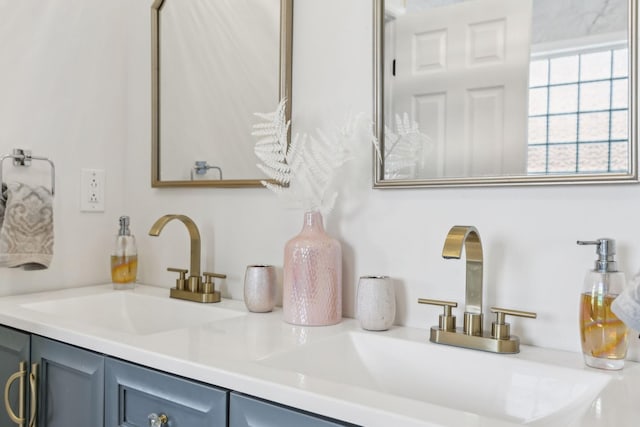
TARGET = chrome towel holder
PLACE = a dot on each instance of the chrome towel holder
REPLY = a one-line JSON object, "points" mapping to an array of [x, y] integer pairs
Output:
{"points": [[23, 158]]}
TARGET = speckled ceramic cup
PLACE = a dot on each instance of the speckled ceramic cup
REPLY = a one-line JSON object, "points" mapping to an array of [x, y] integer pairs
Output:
{"points": [[376, 303], [260, 288]]}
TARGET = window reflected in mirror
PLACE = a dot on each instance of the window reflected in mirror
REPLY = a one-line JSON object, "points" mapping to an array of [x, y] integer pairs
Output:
{"points": [[578, 110]]}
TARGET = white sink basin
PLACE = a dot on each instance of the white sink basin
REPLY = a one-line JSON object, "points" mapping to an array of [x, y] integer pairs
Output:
{"points": [[128, 312], [500, 387]]}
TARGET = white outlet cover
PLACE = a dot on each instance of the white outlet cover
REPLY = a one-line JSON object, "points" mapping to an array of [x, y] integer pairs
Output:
{"points": [[92, 190]]}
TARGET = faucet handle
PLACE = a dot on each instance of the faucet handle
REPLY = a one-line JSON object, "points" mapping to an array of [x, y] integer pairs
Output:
{"points": [[207, 286], [181, 280], [500, 328], [447, 321], [218, 275]]}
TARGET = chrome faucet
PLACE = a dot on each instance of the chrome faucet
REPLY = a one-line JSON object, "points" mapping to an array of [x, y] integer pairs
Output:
{"points": [[192, 289], [471, 335]]}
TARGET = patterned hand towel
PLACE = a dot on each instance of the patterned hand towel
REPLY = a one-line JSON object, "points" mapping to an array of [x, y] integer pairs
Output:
{"points": [[26, 227], [627, 305]]}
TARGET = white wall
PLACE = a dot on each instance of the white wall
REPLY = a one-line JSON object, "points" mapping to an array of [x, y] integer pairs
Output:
{"points": [[529, 233], [62, 95]]}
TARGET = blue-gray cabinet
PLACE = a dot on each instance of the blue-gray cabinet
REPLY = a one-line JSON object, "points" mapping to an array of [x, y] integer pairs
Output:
{"points": [[133, 393], [57, 384], [247, 411], [66, 386], [14, 367], [70, 384]]}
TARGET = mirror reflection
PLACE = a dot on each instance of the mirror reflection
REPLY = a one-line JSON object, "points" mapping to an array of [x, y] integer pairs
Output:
{"points": [[216, 62], [504, 91]]}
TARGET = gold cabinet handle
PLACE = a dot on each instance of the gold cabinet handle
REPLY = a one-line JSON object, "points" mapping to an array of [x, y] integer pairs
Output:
{"points": [[33, 386], [19, 419], [156, 420]]}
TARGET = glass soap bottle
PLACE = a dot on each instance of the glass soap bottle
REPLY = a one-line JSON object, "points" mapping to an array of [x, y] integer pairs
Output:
{"points": [[124, 259], [603, 335]]}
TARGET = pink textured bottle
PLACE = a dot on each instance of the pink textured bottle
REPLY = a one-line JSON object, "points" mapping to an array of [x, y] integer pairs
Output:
{"points": [[312, 282]]}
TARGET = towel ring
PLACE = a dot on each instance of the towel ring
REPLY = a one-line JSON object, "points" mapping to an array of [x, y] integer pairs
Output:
{"points": [[23, 158]]}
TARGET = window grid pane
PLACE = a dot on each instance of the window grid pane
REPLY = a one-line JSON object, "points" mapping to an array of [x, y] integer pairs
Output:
{"points": [[583, 125]]}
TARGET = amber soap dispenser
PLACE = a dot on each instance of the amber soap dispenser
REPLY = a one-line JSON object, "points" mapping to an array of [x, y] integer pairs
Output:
{"points": [[124, 258], [603, 335]]}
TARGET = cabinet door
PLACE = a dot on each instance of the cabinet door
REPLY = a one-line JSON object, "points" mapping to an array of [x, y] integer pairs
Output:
{"points": [[133, 393], [14, 349], [71, 385], [246, 411]]}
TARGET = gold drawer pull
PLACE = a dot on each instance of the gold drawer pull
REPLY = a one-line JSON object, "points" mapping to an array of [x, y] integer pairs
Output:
{"points": [[20, 375], [33, 386]]}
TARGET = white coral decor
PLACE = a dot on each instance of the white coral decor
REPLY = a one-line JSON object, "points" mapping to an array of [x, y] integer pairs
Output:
{"points": [[302, 172]]}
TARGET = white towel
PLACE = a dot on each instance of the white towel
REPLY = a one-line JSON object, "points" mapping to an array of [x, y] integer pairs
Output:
{"points": [[627, 305], [26, 226]]}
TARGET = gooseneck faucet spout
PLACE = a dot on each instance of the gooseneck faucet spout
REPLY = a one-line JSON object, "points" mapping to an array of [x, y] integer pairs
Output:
{"points": [[468, 237], [194, 236]]}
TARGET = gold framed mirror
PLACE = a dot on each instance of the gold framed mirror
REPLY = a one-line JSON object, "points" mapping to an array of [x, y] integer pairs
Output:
{"points": [[505, 92], [213, 64]]}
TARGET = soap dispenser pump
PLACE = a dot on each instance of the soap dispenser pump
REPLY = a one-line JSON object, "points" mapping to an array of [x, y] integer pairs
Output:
{"points": [[602, 334], [124, 258]]}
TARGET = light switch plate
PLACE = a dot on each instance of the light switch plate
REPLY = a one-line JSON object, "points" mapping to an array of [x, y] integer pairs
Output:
{"points": [[92, 190]]}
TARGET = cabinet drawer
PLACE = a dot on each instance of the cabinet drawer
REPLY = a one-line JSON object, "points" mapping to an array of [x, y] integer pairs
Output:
{"points": [[132, 393], [246, 411]]}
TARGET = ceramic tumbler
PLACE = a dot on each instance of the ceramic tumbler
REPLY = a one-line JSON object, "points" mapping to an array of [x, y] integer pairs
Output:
{"points": [[260, 288], [376, 303]]}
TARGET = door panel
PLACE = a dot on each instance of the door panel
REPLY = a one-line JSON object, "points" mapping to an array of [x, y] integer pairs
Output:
{"points": [[71, 385], [14, 348]]}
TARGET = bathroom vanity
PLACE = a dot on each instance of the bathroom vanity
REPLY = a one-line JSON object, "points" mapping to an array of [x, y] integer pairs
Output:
{"points": [[77, 387], [137, 358]]}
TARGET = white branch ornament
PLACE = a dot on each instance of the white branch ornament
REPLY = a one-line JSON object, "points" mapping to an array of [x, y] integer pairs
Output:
{"points": [[301, 172], [402, 149]]}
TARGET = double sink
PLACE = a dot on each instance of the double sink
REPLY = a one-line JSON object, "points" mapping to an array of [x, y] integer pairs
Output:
{"points": [[430, 384]]}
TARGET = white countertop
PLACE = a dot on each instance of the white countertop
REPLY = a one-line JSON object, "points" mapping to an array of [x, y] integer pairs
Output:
{"points": [[231, 353]]}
